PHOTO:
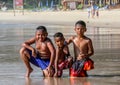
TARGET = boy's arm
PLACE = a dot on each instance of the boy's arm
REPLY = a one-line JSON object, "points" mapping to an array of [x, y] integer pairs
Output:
{"points": [[90, 49], [70, 40], [56, 61], [52, 51], [66, 51], [27, 43]]}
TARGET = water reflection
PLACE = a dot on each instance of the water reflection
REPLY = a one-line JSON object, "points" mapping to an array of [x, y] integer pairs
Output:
{"points": [[58, 81], [28, 81], [80, 81]]}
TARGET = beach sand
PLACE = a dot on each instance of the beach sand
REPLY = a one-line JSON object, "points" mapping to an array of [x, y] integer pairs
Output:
{"points": [[107, 18]]}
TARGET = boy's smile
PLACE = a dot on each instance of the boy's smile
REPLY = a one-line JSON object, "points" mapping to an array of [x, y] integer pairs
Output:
{"points": [[41, 35]]}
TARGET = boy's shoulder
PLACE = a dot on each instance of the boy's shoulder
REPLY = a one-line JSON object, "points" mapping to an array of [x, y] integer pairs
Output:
{"points": [[48, 40], [87, 38]]}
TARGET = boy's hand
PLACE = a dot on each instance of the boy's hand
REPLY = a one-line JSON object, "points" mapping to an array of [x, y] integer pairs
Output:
{"points": [[34, 53], [50, 71], [81, 56]]}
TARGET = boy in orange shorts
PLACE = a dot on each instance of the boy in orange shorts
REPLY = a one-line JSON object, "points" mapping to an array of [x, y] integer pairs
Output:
{"points": [[83, 49]]}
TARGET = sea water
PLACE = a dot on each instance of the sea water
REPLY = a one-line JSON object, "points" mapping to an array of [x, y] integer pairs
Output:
{"points": [[106, 43]]}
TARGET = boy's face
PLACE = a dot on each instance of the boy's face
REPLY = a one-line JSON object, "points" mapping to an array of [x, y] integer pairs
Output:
{"points": [[41, 35], [59, 41], [80, 29]]}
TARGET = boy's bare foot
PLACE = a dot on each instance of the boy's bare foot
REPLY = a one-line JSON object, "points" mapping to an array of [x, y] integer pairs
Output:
{"points": [[28, 72]]}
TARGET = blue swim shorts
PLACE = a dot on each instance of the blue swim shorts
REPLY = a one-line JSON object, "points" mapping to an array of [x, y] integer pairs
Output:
{"points": [[37, 61]]}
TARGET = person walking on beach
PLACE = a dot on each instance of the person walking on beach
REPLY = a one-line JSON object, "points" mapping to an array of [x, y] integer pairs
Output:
{"points": [[42, 55], [63, 58], [93, 10], [83, 49]]}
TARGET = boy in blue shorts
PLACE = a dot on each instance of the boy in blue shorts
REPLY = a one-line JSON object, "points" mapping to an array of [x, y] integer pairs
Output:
{"points": [[42, 55]]}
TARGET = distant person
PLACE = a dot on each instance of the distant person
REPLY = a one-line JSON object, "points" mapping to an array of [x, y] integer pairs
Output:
{"points": [[83, 50], [42, 55], [63, 58], [94, 10], [89, 11]]}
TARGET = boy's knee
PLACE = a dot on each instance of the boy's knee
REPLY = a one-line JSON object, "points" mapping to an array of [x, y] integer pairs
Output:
{"points": [[22, 50]]}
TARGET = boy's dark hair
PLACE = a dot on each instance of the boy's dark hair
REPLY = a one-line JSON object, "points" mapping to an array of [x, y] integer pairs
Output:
{"points": [[58, 34], [43, 28], [81, 23]]}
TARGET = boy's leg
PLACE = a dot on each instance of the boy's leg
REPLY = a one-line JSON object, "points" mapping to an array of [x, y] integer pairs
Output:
{"points": [[97, 13], [45, 73], [25, 57], [88, 14], [83, 73], [77, 69], [70, 62], [66, 64], [43, 64], [93, 13]]}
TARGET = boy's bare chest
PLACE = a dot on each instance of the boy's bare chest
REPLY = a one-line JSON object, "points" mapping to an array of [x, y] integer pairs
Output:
{"points": [[80, 43], [41, 46]]}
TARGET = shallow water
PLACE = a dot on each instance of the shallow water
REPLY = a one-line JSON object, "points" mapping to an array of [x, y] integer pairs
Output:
{"points": [[106, 44]]}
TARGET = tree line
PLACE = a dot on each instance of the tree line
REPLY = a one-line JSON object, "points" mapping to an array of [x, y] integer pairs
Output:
{"points": [[51, 3], [33, 3]]}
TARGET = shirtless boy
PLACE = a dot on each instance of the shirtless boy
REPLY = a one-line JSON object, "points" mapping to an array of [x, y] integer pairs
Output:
{"points": [[42, 55], [83, 49], [63, 59]]}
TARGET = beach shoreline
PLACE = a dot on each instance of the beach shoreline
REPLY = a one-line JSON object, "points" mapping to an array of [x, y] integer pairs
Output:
{"points": [[107, 18]]}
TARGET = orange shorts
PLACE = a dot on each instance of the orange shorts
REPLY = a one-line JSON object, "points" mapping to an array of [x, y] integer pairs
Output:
{"points": [[80, 67]]}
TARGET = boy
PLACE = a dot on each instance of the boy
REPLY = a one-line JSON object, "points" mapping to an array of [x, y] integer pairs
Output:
{"points": [[63, 59], [83, 49], [42, 55]]}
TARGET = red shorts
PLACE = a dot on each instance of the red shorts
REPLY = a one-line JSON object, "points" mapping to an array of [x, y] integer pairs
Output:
{"points": [[74, 73], [80, 67], [61, 66]]}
